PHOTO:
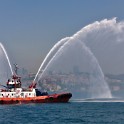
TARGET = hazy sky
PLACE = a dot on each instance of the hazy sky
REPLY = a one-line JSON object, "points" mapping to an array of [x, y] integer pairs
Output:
{"points": [[29, 28]]}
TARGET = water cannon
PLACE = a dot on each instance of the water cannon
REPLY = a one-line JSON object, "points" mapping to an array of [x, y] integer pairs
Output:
{"points": [[33, 85]]}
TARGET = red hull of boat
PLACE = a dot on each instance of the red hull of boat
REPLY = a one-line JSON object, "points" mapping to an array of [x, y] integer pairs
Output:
{"points": [[55, 98]]}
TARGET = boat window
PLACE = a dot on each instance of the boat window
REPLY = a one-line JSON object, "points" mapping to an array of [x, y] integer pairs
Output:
{"points": [[12, 94], [22, 94], [10, 86]]}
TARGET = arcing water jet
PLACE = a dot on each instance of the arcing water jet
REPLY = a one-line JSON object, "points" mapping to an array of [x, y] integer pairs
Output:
{"points": [[5, 66], [106, 40], [6, 57], [97, 88], [51, 53]]}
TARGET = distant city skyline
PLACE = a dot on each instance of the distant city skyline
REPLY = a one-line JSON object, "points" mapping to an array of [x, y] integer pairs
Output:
{"points": [[29, 28]]}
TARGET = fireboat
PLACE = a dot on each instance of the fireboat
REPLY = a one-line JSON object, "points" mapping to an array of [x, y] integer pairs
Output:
{"points": [[13, 93]]}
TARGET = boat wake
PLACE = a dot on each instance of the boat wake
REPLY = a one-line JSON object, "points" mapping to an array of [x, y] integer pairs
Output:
{"points": [[98, 100]]}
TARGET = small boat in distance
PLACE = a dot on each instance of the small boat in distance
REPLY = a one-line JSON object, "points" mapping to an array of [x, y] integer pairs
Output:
{"points": [[13, 93]]}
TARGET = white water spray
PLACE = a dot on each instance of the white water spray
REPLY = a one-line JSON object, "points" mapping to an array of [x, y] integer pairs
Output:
{"points": [[6, 57], [106, 41], [53, 57], [98, 86], [50, 55]]}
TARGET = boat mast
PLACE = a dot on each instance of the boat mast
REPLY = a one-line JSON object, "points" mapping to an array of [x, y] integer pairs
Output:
{"points": [[16, 68]]}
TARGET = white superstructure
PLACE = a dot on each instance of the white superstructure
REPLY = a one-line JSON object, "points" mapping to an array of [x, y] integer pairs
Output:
{"points": [[14, 90]]}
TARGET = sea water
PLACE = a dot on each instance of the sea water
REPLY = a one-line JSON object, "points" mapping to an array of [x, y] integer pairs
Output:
{"points": [[63, 113]]}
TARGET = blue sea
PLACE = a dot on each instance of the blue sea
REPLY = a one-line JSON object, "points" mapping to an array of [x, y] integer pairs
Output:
{"points": [[63, 113]]}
